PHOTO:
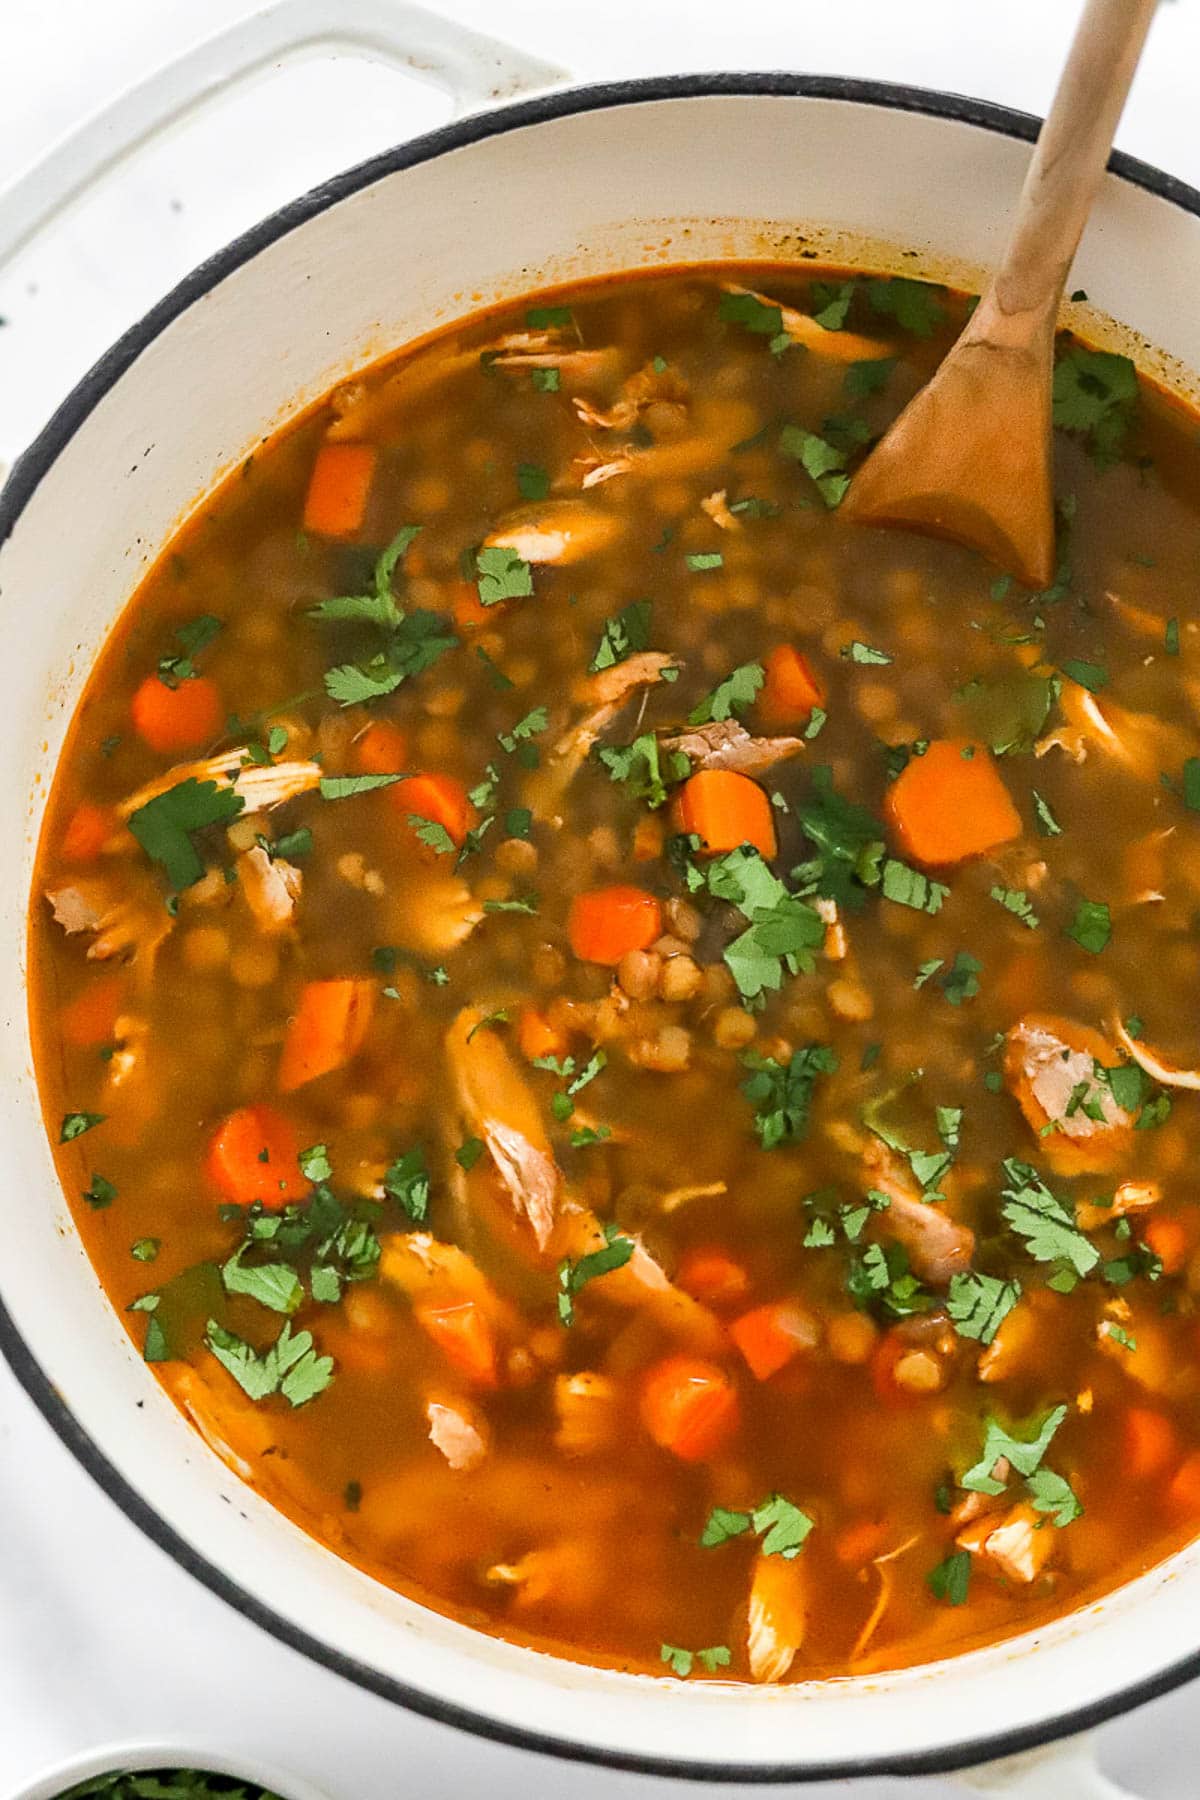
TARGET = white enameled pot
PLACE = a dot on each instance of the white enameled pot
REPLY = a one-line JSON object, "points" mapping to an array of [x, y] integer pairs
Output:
{"points": [[146, 1755], [569, 184]]}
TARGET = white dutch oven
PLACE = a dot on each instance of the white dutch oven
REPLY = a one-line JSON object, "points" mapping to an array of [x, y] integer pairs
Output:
{"points": [[569, 184]]}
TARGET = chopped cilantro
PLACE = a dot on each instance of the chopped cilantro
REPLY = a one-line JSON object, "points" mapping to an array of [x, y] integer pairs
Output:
{"points": [[1024, 1455], [314, 1163], [781, 1093], [783, 932], [549, 318], [909, 887], [1045, 1222], [291, 845], [1051, 1493], [624, 633], [344, 787], [529, 726], [978, 1304], [751, 313], [501, 573], [738, 691], [518, 821], [824, 462], [496, 675], [780, 1524], [682, 1662], [163, 827], [700, 560], [407, 1180], [573, 1275], [433, 834], [290, 1366], [546, 381], [1171, 637], [99, 1193], [1090, 675], [193, 637], [1047, 825], [1095, 394], [521, 903], [639, 767], [858, 652], [961, 980], [274, 1285], [831, 303], [1091, 927], [145, 1249], [1017, 902], [951, 1579], [913, 304], [533, 482], [76, 1123], [864, 378]]}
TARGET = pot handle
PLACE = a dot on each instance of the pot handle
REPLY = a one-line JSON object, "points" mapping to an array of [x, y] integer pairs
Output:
{"points": [[475, 69], [1065, 1771]]}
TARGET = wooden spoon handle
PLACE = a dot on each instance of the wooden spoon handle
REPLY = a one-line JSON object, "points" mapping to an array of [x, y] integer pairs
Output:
{"points": [[1071, 153]]}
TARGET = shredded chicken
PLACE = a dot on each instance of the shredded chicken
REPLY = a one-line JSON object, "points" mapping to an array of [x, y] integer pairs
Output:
{"points": [[272, 889], [1049, 1063], [498, 1107], [557, 531], [643, 388], [131, 927], [434, 914], [259, 785], [1135, 1340], [776, 1616], [726, 744], [1019, 1547], [1167, 1074], [222, 1418], [717, 507], [1130, 1197], [937, 1247], [588, 1414], [459, 1431], [802, 328], [883, 1568], [428, 1270], [593, 470], [603, 695], [1141, 742]]}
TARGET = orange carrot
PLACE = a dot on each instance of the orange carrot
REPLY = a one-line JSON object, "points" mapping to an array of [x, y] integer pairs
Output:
{"points": [[186, 717], [464, 1336], [1183, 1495], [326, 1030], [724, 810], [468, 611], [252, 1155], [537, 1036], [708, 1273], [791, 690], [88, 830], [606, 922], [338, 489], [950, 804], [439, 798], [90, 1019], [1149, 1443], [381, 750], [689, 1407], [770, 1336], [1170, 1241]]}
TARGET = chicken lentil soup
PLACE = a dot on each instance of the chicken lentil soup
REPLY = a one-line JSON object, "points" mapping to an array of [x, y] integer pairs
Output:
{"points": [[621, 1042]]}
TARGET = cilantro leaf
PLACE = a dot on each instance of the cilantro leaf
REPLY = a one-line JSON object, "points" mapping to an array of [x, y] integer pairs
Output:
{"points": [[573, 1275], [1017, 902], [961, 980], [99, 1193], [1051, 1493], [783, 931], [163, 827], [738, 691], [74, 1125], [624, 633], [781, 1093], [1044, 1221], [782, 1526], [290, 1366], [501, 575], [407, 1180], [978, 1304], [193, 637], [1091, 927], [1022, 1454], [1047, 825], [638, 767], [824, 462], [721, 1525], [1095, 394], [415, 644], [753, 314], [913, 304], [951, 1579], [344, 787], [910, 887], [865, 378], [533, 482], [858, 652], [274, 1285]]}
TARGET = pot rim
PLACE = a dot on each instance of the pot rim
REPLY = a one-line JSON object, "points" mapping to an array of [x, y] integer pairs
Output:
{"points": [[143, 1755], [27, 473]]}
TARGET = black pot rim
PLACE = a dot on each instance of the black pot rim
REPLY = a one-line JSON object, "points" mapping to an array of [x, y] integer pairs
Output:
{"points": [[24, 479]]}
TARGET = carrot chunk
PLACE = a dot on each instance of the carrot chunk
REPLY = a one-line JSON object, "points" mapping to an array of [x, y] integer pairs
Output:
{"points": [[88, 830], [1170, 1241], [606, 922], [689, 1407], [252, 1155], [381, 750], [338, 489], [790, 690], [468, 611], [180, 718], [1183, 1494], [537, 1036], [464, 1336], [951, 804], [710, 1274], [90, 1019], [438, 798], [327, 1029], [770, 1336], [1150, 1443], [725, 810]]}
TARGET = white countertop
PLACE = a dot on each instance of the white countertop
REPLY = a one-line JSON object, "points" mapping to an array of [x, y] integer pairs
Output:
{"points": [[102, 1637]]}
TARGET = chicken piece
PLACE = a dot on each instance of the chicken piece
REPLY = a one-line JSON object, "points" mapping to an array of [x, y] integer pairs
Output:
{"points": [[1021, 1335], [1049, 1062], [258, 785], [434, 914], [975, 1506], [641, 1283], [497, 1106], [557, 531], [726, 744], [936, 1245], [130, 926], [460, 1431], [429, 1271], [603, 694], [1137, 1343], [567, 1574], [644, 388], [802, 328], [776, 1616], [552, 349], [222, 1416], [1130, 1197], [131, 1035], [1018, 1548], [1140, 742], [272, 888], [592, 470], [1167, 1074], [836, 943], [717, 507], [588, 1413]]}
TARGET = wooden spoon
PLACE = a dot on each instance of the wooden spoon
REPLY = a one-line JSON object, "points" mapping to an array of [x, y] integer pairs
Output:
{"points": [[969, 458]]}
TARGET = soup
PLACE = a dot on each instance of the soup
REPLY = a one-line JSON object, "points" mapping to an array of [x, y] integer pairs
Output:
{"points": [[621, 1042]]}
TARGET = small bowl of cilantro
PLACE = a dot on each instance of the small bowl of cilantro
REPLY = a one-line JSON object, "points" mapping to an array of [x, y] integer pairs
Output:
{"points": [[165, 1774]]}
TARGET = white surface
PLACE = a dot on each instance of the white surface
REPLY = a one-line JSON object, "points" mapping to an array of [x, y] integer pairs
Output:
{"points": [[103, 1637]]}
